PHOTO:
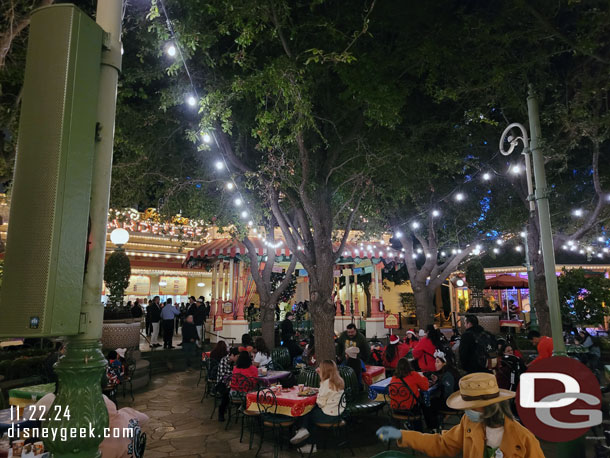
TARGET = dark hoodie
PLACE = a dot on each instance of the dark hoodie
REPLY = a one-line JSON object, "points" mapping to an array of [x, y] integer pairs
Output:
{"points": [[468, 350]]}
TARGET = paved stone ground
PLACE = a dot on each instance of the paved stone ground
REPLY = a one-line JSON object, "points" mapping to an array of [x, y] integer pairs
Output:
{"points": [[180, 425]]}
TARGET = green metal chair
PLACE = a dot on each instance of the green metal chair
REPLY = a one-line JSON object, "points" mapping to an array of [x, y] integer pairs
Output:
{"points": [[358, 402], [280, 357], [309, 377]]}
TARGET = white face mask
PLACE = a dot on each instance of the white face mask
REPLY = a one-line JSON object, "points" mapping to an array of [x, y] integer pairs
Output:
{"points": [[474, 416]]}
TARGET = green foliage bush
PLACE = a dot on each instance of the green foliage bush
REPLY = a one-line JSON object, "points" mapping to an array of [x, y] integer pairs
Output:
{"points": [[581, 295], [21, 367]]}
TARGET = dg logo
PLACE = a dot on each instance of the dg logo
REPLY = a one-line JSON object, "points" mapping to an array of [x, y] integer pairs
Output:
{"points": [[559, 399]]}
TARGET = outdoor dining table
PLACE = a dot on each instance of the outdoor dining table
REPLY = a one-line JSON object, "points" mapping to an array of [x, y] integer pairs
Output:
{"points": [[373, 374], [272, 377], [380, 391], [511, 323], [27, 395], [288, 402]]}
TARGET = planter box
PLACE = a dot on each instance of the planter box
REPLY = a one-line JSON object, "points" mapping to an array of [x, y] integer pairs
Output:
{"points": [[121, 333]]}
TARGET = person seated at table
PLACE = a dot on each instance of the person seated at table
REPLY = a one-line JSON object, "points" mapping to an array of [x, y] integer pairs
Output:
{"points": [[593, 354], [223, 377], [247, 343], [394, 352], [262, 358], [543, 344], [219, 351], [115, 369], [353, 360], [327, 407], [411, 339], [244, 367], [405, 375], [487, 430], [424, 351]]}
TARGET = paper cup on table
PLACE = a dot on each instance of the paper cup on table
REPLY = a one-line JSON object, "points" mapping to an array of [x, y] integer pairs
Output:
{"points": [[18, 447], [264, 371], [38, 448], [301, 387]]}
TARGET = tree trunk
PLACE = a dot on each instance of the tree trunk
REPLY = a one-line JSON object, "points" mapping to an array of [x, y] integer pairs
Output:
{"points": [[268, 323], [323, 316], [424, 306]]}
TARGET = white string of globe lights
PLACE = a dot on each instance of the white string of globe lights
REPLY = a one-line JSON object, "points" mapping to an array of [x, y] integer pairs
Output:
{"points": [[172, 49]]}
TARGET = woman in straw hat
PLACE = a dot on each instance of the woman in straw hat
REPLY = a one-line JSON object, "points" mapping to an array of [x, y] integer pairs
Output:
{"points": [[487, 430]]}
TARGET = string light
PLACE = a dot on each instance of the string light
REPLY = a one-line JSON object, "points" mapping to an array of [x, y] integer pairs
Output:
{"points": [[487, 176], [244, 214], [578, 212], [250, 223], [516, 170], [499, 241], [518, 248], [207, 138], [398, 235], [459, 196], [219, 165], [600, 239], [415, 225], [191, 100], [443, 254], [238, 201], [436, 213], [230, 186], [496, 250], [171, 51]]}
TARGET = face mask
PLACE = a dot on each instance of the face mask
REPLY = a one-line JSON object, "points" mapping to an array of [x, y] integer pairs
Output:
{"points": [[474, 416]]}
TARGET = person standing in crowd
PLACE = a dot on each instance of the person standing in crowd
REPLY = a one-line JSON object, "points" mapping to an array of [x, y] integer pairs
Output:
{"points": [[423, 353], [189, 340], [168, 314], [543, 344], [148, 324], [199, 320], [262, 358], [393, 352], [478, 348], [208, 308], [179, 320], [191, 306], [327, 407], [136, 309], [288, 334], [352, 338], [155, 318], [225, 369], [488, 428]]}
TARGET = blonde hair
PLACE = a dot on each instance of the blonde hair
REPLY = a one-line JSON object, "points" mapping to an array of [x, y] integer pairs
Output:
{"points": [[328, 370]]}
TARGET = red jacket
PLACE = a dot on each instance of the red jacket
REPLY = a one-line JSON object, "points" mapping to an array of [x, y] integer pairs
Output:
{"points": [[402, 350], [251, 372], [545, 348], [402, 399], [424, 354]]}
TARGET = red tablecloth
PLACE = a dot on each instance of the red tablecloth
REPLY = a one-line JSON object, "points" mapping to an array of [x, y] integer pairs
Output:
{"points": [[288, 403], [373, 374]]}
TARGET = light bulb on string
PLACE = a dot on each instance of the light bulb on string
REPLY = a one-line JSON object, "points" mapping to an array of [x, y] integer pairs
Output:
{"points": [[191, 100], [518, 248], [499, 241], [459, 196], [398, 234], [219, 165], [436, 213], [600, 239], [577, 212], [600, 255], [515, 169], [230, 186], [207, 138], [244, 214], [171, 50], [237, 202], [496, 250], [415, 225], [443, 254], [487, 176]]}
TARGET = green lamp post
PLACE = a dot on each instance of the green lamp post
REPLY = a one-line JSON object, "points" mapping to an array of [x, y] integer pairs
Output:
{"points": [[541, 198]]}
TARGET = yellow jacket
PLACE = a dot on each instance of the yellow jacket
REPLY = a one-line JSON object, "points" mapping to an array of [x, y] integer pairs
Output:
{"points": [[469, 438]]}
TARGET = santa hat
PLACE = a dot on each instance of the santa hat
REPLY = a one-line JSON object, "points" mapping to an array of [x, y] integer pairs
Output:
{"points": [[394, 339], [121, 352], [411, 331]]}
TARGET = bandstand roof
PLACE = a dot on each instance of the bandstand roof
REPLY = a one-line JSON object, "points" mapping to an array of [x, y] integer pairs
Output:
{"points": [[231, 248]]}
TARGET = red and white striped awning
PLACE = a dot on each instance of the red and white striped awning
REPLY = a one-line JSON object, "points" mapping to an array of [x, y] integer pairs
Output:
{"points": [[232, 248]]}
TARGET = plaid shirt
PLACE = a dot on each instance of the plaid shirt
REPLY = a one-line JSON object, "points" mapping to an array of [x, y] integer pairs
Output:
{"points": [[225, 369]]}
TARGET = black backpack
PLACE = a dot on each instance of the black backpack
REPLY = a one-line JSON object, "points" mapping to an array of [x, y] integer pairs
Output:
{"points": [[486, 348], [516, 367]]}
